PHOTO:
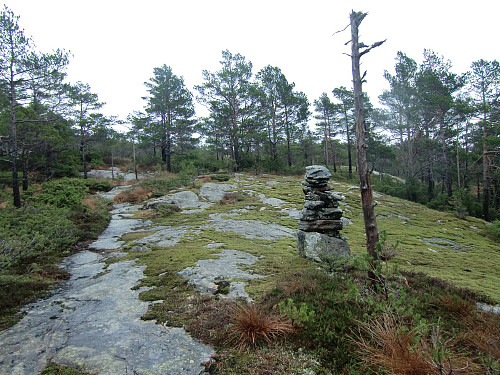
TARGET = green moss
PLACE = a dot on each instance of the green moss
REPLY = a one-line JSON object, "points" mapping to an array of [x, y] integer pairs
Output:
{"points": [[53, 368]]}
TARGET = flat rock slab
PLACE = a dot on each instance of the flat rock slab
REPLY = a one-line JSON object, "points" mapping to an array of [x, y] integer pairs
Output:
{"points": [[450, 244], [207, 271], [182, 199], [275, 202], [119, 224], [167, 237], [93, 322], [214, 192], [253, 229], [109, 173]]}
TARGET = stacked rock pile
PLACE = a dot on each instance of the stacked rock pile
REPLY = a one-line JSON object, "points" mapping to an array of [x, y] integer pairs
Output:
{"points": [[321, 211], [318, 237]]}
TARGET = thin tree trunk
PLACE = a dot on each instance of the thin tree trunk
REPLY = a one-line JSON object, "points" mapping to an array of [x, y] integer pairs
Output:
{"points": [[25, 174], [447, 176], [458, 160], [112, 166], [13, 135], [133, 155], [486, 195]]}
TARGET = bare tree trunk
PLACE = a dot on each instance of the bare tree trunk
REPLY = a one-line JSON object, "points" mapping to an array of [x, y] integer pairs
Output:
{"points": [[371, 229], [133, 154], [112, 166]]}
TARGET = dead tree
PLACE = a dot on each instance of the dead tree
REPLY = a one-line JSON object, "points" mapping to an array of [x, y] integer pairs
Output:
{"points": [[357, 50]]}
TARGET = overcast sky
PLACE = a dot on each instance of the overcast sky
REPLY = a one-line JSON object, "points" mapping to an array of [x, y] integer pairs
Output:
{"points": [[116, 44]]}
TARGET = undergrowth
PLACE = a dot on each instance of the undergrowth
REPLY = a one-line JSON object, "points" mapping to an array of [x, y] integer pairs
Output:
{"points": [[56, 217]]}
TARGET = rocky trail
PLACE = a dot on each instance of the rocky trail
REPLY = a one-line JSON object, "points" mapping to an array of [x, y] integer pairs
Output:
{"points": [[93, 320]]}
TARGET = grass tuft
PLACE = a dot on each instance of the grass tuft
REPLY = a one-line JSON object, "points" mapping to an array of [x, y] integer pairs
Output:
{"points": [[253, 325]]}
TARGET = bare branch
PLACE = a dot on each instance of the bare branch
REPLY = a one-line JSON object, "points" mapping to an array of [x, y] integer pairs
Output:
{"points": [[336, 32], [374, 45]]}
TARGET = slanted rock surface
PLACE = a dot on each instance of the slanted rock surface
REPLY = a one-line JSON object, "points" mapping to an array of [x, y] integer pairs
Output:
{"points": [[94, 322]]}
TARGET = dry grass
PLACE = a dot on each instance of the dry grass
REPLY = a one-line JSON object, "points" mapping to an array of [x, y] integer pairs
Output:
{"points": [[252, 325], [229, 198], [205, 179], [90, 202], [298, 284], [482, 329], [210, 319], [484, 334], [387, 344], [135, 195]]}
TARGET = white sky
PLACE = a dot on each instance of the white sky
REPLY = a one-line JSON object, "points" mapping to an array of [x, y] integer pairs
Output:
{"points": [[116, 43]]}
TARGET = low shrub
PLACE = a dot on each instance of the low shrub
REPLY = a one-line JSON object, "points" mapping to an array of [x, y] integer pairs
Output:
{"points": [[494, 230], [65, 192], [36, 231], [160, 186], [220, 177], [166, 209], [95, 186]]}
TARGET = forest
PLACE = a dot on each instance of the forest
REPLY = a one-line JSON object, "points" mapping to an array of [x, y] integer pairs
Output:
{"points": [[437, 131]]}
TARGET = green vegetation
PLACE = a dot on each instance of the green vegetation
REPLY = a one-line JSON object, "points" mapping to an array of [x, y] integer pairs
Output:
{"points": [[57, 216], [444, 143], [56, 369], [337, 320]]}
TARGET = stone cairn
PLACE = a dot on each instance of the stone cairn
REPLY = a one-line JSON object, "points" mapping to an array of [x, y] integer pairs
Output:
{"points": [[318, 237]]}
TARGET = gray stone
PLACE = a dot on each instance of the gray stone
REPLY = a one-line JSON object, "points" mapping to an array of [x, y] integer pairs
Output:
{"points": [[321, 226], [314, 205], [252, 229], [94, 321], [204, 275], [140, 248], [214, 192], [345, 221], [292, 213], [495, 309], [109, 173], [443, 242], [118, 226], [316, 172], [167, 237], [321, 247], [182, 199]]}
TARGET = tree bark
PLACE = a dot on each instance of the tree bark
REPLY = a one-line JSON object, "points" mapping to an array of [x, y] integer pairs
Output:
{"points": [[371, 229]]}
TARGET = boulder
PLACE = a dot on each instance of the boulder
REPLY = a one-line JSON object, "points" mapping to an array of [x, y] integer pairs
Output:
{"points": [[321, 247]]}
